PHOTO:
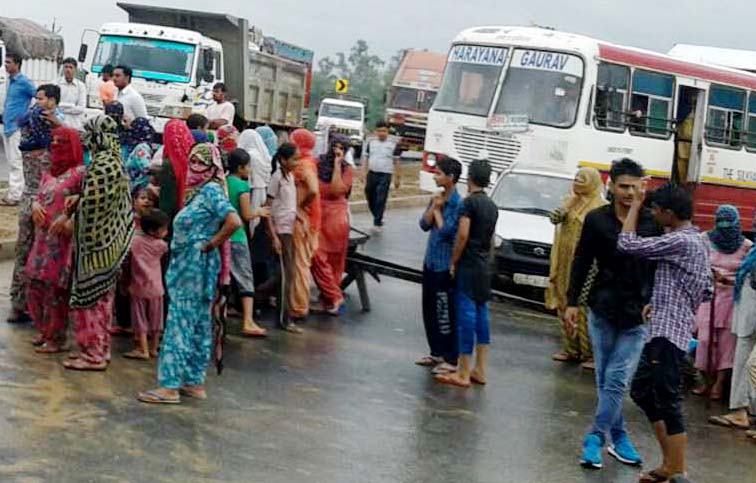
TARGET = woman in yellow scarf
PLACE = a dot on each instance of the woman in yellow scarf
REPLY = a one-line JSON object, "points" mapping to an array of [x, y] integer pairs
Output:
{"points": [[586, 196]]}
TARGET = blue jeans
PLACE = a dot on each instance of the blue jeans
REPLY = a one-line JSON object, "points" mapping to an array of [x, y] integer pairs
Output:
{"points": [[616, 353], [472, 322]]}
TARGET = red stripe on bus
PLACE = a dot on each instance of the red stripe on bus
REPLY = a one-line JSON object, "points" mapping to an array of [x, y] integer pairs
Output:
{"points": [[612, 53]]}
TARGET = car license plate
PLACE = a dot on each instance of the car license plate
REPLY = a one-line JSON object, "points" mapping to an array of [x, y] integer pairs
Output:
{"points": [[531, 280]]}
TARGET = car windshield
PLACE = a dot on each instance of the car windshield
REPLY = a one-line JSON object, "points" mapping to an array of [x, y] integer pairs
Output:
{"points": [[153, 59], [545, 86], [470, 79], [349, 113], [530, 193]]}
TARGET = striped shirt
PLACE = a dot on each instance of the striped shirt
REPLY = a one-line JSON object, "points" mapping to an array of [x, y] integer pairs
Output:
{"points": [[682, 282]]}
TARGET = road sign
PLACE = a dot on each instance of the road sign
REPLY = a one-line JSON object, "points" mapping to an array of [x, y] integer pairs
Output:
{"points": [[342, 86]]}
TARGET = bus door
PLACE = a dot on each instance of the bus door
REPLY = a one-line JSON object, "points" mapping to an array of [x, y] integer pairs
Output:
{"points": [[691, 108]]}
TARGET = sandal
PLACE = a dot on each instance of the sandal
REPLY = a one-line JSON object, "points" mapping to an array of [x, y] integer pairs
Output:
{"points": [[452, 379], [82, 365], [477, 380], [562, 357], [588, 365], [195, 393], [429, 361], [137, 354], [444, 368], [653, 477], [154, 397], [726, 422], [49, 349], [292, 328], [255, 333]]}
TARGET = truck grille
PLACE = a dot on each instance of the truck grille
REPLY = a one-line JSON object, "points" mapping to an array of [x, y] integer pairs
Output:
{"points": [[345, 131], [502, 151], [531, 249]]}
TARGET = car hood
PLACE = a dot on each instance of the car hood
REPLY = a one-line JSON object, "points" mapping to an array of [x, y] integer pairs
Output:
{"points": [[512, 225]]}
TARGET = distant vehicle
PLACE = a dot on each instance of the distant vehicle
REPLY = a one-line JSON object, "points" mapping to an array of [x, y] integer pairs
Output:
{"points": [[539, 104], [178, 55], [345, 116], [411, 96], [41, 50]]}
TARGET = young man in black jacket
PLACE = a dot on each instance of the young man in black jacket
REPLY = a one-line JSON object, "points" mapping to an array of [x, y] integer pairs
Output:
{"points": [[619, 293]]}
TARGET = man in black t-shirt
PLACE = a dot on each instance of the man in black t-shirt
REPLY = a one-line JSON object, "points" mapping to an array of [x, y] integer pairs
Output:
{"points": [[471, 269]]}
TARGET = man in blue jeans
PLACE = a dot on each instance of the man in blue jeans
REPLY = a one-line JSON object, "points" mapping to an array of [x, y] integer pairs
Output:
{"points": [[619, 292]]}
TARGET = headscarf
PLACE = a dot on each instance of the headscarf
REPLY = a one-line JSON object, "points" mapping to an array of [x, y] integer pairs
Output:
{"points": [[200, 136], [726, 237], [116, 112], [260, 159], [104, 218], [204, 166], [36, 131], [586, 193], [67, 152], [269, 138], [177, 142], [140, 132], [746, 266], [327, 160], [227, 136], [138, 166]]}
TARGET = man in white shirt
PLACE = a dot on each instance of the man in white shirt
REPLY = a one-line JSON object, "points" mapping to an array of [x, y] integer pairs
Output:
{"points": [[73, 95], [222, 112], [132, 101], [380, 165]]}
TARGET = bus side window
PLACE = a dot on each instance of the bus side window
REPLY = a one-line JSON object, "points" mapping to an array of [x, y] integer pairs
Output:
{"points": [[751, 136], [651, 104], [611, 96], [724, 125]]}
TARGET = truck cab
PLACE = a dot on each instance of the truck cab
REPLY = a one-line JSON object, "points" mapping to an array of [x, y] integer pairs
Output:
{"points": [[345, 117], [173, 69]]}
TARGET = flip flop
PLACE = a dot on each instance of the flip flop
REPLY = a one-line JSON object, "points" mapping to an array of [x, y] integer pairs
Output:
{"points": [[137, 356], [588, 365], [154, 397], [255, 333], [444, 368], [653, 477], [451, 381], [561, 357], [429, 361], [82, 365], [477, 380], [193, 393], [726, 422]]}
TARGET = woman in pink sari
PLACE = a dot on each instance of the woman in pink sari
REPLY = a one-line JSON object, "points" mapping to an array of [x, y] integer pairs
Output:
{"points": [[49, 265]]}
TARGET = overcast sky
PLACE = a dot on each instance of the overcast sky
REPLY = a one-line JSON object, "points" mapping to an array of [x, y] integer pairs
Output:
{"points": [[328, 26]]}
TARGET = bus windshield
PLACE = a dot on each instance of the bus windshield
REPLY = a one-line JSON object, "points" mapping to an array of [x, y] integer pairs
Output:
{"points": [[153, 59], [530, 193], [470, 79], [338, 111], [545, 86]]}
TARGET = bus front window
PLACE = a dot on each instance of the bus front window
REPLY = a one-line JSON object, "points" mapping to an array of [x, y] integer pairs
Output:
{"points": [[545, 86], [472, 73]]}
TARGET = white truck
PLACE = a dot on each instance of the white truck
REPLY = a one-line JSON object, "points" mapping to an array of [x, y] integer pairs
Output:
{"points": [[346, 117], [178, 55], [40, 49]]}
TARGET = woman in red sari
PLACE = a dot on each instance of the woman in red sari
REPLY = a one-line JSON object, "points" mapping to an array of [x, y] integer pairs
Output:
{"points": [[335, 178], [49, 265]]}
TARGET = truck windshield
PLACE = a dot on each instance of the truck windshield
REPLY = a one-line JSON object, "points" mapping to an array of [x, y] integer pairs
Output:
{"points": [[348, 113], [152, 59], [413, 99], [470, 79], [545, 86], [530, 193]]}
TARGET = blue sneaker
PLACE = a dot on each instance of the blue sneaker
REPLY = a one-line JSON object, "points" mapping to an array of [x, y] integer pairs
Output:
{"points": [[624, 451], [592, 447]]}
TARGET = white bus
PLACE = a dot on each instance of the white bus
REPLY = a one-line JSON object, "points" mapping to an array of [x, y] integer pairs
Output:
{"points": [[539, 104]]}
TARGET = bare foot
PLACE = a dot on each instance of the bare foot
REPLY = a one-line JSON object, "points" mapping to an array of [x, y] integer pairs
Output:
{"points": [[251, 329], [196, 392], [478, 377], [154, 354], [137, 354], [453, 379]]}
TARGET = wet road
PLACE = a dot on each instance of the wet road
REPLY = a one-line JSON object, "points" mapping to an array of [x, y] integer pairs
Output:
{"points": [[341, 403]]}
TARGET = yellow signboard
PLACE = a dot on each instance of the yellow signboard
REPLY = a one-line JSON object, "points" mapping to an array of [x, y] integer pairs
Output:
{"points": [[342, 86]]}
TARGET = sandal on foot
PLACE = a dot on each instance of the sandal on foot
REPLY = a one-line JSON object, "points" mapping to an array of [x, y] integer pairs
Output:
{"points": [[154, 397], [653, 476], [138, 355], [477, 380], [255, 333], [49, 349], [588, 365], [444, 368], [727, 422], [79, 364], [562, 357], [194, 393], [452, 380], [429, 361]]}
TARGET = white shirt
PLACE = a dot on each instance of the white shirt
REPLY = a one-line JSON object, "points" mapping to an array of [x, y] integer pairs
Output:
{"points": [[224, 110], [381, 155], [73, 101], [133, 103]]}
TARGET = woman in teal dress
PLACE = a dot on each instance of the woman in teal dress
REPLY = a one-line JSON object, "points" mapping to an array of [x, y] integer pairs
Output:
{"points": [[199, 230]]}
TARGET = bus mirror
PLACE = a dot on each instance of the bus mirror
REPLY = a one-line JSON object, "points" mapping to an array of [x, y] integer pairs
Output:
{"points": [[207, 60], [83, 52]]}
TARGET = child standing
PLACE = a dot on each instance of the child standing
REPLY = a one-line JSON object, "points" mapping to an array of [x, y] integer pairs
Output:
{"points": [[282, 198], [239, 169], [146, 287]]}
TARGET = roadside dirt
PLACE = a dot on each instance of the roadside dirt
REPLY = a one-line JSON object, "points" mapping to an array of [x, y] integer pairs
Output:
{"points": [[8, 223], [409, 184]]}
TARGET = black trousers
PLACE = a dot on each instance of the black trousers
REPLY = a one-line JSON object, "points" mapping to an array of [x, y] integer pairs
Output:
{"points": [[377, 188], [656, 385], [439, 315]]}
